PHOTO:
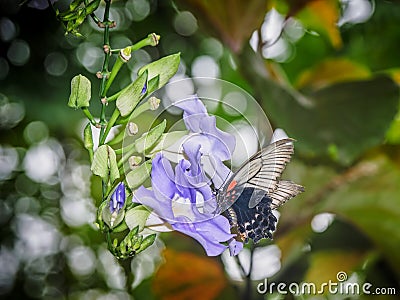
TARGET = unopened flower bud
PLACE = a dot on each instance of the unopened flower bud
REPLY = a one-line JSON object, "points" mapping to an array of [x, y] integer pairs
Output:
{"points": [[117, 201], [125, 54], [134, 161], [154, 39], [132, 128], [154, 103]]}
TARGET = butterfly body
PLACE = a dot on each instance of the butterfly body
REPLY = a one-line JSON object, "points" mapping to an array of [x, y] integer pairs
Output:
{"points": [[248, 197]]}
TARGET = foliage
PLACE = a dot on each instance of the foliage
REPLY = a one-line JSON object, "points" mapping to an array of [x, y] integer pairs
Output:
{"points": [[332, 88]]}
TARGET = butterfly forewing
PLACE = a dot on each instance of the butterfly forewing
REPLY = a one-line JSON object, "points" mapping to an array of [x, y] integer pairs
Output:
{"points": [[260, 172]]}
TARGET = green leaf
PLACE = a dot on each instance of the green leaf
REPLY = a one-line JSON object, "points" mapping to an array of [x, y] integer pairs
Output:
{"points": [[88, 137], [371, 202], [105, 163], [345, 119], [137, 216], [168, 139], [165, 67], [137, 176], [131, 95], [153, 84], [80, 92], [147, 141]]}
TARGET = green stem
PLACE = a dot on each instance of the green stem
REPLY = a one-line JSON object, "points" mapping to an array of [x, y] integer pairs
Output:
{"points": [[87, 113], [110, 124], [117, 139], [123, 58], [104, 71], [115, 96], [151, 40]]}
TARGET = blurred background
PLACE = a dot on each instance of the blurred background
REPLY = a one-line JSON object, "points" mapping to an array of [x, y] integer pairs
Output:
{"points": [[328, 72]]}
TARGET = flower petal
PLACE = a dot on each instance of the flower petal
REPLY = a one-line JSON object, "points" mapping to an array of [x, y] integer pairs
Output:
{"points": [[162, 209], [193, 111], [209, 233], [235, 247], [162, 178], [222, 143]]}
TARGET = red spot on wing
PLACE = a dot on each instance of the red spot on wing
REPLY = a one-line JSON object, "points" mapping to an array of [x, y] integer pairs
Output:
{"points": [[231, 185]]}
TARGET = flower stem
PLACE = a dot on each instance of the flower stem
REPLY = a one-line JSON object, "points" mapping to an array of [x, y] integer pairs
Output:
{"points": [[104, 71], [87, 113], [248, 288], [110, 124]]}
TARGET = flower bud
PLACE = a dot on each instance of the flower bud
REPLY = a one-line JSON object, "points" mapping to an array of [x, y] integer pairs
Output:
{"points": [[125, 54], [154, 39], [154, 103], [134, 161], [132, 128], [117, 199]]}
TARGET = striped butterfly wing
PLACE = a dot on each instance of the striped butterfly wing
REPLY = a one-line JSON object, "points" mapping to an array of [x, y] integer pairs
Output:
{"points": [[261, 173]]}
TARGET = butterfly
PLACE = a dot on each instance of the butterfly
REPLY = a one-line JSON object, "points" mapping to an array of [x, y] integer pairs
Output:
{"points": [[248, 197]]}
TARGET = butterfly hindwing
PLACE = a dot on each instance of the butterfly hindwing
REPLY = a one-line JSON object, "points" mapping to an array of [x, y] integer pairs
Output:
{"points": [[252, 223]]}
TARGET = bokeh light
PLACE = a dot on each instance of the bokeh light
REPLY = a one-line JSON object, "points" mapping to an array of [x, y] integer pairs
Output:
{"points": [[185, 23], [56, 63], [19, 52], [8, 30]]}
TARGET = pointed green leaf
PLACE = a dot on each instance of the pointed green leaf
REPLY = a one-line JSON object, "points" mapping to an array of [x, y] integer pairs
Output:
{"points": [[105, 163], [147, 141], [88, 138], [137, 216], [147, 242], [165, 67], [137, 176], [131, 95], [80, 92], [153, 84]]}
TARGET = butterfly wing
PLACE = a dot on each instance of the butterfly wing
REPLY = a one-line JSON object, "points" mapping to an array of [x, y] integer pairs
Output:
{"points": [[262, 172]]}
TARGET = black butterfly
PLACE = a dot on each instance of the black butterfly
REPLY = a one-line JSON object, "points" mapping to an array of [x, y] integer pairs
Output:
{"points": [[248, 197]]}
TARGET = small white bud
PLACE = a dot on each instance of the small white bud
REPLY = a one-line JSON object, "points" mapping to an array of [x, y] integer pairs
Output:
{"points": [[132, 128], [134, 161], [154, 103]]}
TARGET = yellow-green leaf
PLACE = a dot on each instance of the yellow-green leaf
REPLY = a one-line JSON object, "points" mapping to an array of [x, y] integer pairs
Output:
{"points": [[330, 71], [105, 163], [165, 68], [80, 92], [137, 216], [137, 176], [148, 140], [167, 140], [131, 95]]}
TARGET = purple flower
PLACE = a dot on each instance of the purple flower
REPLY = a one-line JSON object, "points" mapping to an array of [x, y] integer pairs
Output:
{"points": [[216, 145], [179, 198], [117, 199], [40, 4], [204, 129]]}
